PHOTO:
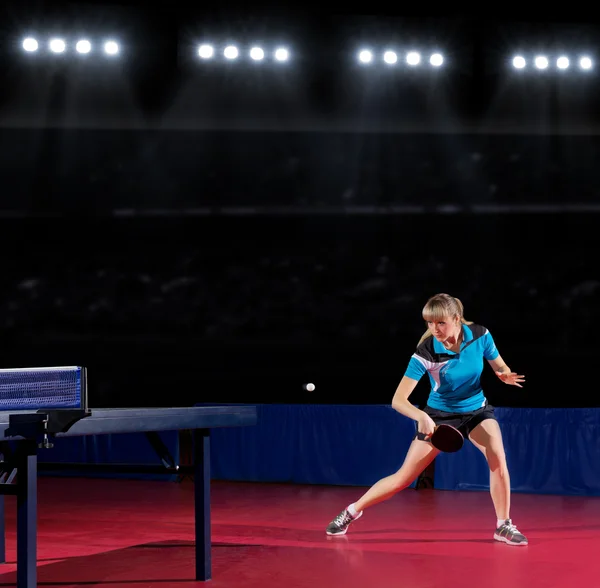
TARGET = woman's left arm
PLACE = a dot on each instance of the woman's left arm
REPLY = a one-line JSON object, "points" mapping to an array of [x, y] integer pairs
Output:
{"points": [[503, 372]]}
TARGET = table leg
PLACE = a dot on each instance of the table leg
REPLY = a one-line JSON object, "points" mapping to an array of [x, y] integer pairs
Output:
{"points": [[2, 536], [26, 461], [6, 454], [27, 515], [202, 503]]}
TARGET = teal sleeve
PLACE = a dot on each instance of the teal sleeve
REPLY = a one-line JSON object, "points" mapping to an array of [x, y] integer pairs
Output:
{"points": [[415, 369], [489, 347]]}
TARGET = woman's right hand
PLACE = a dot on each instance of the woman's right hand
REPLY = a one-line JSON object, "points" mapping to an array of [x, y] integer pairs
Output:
{"points": [[426, 426]]}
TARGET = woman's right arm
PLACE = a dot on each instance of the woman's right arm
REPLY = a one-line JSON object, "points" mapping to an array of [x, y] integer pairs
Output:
{"points": [[400, 401]]}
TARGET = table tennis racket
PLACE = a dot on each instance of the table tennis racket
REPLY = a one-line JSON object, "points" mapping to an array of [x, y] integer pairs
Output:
{"points": [[447, 438]]}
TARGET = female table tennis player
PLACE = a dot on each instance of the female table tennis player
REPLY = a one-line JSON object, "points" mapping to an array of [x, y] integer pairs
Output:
{"points": [[451, 351]]}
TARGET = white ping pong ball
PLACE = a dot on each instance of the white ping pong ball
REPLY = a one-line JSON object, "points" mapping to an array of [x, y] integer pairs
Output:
{"points": [[310, 387]]}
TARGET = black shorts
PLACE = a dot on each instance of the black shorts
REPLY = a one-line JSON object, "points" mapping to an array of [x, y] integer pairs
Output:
{"points": [[465, 422]]}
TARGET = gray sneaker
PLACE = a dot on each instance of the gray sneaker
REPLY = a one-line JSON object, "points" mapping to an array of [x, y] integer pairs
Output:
{"points": [[340, 524], [509, 534]]}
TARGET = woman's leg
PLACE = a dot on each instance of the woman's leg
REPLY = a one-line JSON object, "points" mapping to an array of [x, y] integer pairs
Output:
{"points": [[487, 437], [420, 454]]}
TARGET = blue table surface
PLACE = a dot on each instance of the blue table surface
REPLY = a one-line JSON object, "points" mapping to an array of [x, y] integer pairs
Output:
{"points": [[134, 420]]}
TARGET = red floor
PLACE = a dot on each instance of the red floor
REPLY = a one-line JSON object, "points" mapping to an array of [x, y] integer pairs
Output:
{"points": [[118, 534]]}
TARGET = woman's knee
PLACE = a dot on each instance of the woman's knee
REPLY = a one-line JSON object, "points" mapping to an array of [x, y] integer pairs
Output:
{"points": [[400, 480], [419, 456], [486, 436], [496, 459]]}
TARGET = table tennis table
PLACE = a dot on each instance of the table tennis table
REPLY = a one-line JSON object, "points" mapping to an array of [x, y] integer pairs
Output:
{"points": [[60, 395]]}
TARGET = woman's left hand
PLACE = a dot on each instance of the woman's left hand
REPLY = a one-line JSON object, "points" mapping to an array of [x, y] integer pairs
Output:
{"points": [[511, 378]]}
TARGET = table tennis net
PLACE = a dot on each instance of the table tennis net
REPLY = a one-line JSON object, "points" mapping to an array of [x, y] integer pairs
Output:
{"points": [[34, 388]]}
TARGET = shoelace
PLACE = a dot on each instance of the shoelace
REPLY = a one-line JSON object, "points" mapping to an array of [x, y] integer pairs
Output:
{"points": [[511, 528], [343, 519]]}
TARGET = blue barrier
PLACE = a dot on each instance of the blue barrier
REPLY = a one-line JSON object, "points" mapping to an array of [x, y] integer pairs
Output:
{"points": [[314, 444], [549, 451]]}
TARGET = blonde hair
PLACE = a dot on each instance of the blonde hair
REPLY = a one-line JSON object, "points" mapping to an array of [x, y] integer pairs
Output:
{"points": [[441, 306]]}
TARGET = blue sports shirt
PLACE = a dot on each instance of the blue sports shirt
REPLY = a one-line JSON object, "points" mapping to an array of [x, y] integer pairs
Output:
{"points": [[455, 377]]}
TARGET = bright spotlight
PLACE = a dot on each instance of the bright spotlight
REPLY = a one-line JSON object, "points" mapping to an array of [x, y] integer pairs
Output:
{"points": [[57, 45], [257, 53], [562, 62], [111, 48], [30, 44], [206, 51], [231, 52], [83, 46], [365, 56], [585, 63], [541, 62], [436, 59], [390, 57], [413, 58], [281, 54], [518, 62]]}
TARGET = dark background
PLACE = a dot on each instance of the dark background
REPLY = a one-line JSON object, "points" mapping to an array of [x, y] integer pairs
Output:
{"points": [[198, 232]]}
